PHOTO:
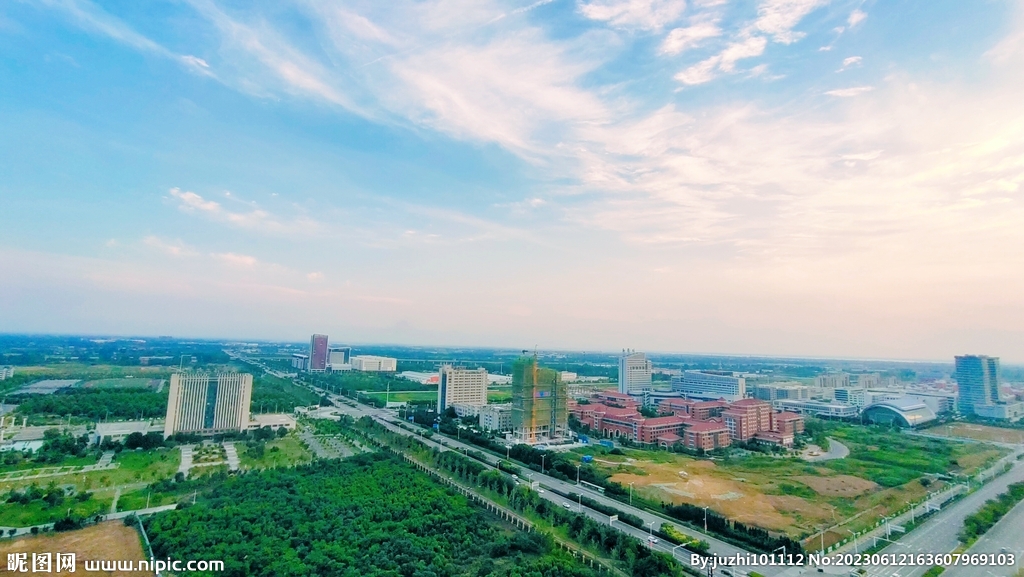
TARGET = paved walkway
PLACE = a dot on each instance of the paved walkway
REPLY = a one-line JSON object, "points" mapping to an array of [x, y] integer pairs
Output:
{"points": [[836, 450], [186, 459], [18, 531], [104, 464], [232, 455]]}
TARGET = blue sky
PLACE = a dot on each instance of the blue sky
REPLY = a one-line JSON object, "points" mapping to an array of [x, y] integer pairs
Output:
{"points": [[802, 177]]}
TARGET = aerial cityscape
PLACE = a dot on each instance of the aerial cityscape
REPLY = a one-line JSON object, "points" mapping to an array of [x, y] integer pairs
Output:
{"points": [[512, 288]]}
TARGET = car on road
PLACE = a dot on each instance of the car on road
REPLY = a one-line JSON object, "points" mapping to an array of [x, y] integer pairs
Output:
{"points": [[653, 540], [567, 505]]}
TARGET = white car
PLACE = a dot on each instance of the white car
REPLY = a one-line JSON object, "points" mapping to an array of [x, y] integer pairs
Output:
{"points": [[653, 540], [567, 506]]}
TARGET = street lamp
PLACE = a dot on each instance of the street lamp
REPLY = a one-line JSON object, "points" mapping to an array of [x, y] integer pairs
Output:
{"points": [[577, 475], [631, 494], [580, 496], [652, 529], [705, 520], [856, 548], [912, 520], [542, 464]]}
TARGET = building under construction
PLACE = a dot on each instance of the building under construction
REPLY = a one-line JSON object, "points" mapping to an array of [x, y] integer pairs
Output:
{"points": [[540, 411]]}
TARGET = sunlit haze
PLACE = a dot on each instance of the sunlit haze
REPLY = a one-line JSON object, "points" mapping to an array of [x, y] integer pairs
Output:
{"points": [[781, 177]]}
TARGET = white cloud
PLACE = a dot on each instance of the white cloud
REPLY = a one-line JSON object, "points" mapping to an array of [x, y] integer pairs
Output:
{"points": [[94, 19], [725, 61], [681, 39], [777, 18], [255, 219], [174, 248], [856, 17], [235, 259], [639, 14], [848, 92], [850, 62]]}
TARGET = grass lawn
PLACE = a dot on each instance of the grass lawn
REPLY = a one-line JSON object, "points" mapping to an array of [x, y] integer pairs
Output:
{"points": [[38, 512], [137, 499], [499, 396], [136, 467], [290, 453], [123, 383], [404, 396], [66, 462]]}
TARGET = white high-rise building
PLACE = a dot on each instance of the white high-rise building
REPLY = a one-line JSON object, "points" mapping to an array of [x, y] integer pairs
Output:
{"points": [[634, 372], [710, 385], [206, 403], [462, 386], [372, 363]]}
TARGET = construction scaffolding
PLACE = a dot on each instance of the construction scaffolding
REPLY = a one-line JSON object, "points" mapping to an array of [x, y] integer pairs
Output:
{"points": [[540, 411]]}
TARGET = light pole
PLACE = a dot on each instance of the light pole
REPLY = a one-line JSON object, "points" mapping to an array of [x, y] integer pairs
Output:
{"points": [[542, 457], [580, 498], [631, 494], [705, 520], [912, 519], [856, 548], [652, 530], [577, 475], [821, 533], [508, 450]]}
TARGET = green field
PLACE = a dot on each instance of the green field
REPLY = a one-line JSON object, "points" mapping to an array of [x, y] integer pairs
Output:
{"points": [[290, 452], [123, 383], [403, 396]]}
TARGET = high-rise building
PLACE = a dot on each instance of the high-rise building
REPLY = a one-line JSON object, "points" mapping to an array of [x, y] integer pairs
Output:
{"points": [[207, 403], [540, 410], [6, 373], [318, 353], [462, 386], [977, 379], [496, 417], [710, 385], [634, 372]]}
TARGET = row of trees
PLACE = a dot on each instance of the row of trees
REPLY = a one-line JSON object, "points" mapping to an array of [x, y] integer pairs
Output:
{"points": [[991, 512], [95, 403]]}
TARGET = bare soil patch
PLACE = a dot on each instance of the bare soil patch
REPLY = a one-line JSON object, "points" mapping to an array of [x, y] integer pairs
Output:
{"points": [[978, 432], [837, 485], [107, 541]]}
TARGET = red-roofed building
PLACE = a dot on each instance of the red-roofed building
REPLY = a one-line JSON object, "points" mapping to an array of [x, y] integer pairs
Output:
{"points": [[700, 410], [651, 429], [615, 399], [789, 423], [774, 438], [748, 417], [706, 435]]}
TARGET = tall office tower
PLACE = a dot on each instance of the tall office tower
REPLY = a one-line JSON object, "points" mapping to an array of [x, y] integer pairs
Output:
{"points": [[540, 410], [318, 353], [208, 403], [634, 372], [710, 385], [462, 386], [977, 379]]}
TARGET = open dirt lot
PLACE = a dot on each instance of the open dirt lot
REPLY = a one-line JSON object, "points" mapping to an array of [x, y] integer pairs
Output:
{"points": [[978, 432], [700, 483], [106, 541], [837, 485]]}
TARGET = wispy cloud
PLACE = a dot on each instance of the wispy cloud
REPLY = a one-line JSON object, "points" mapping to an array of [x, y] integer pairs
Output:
{"points": [[255, 219], [638, 14], [850, 62], [682, 39], [849, 92], [93, 18], [856, 17]]}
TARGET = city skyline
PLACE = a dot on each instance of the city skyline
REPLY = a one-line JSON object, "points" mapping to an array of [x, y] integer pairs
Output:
{"points": [[802, 178]]}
